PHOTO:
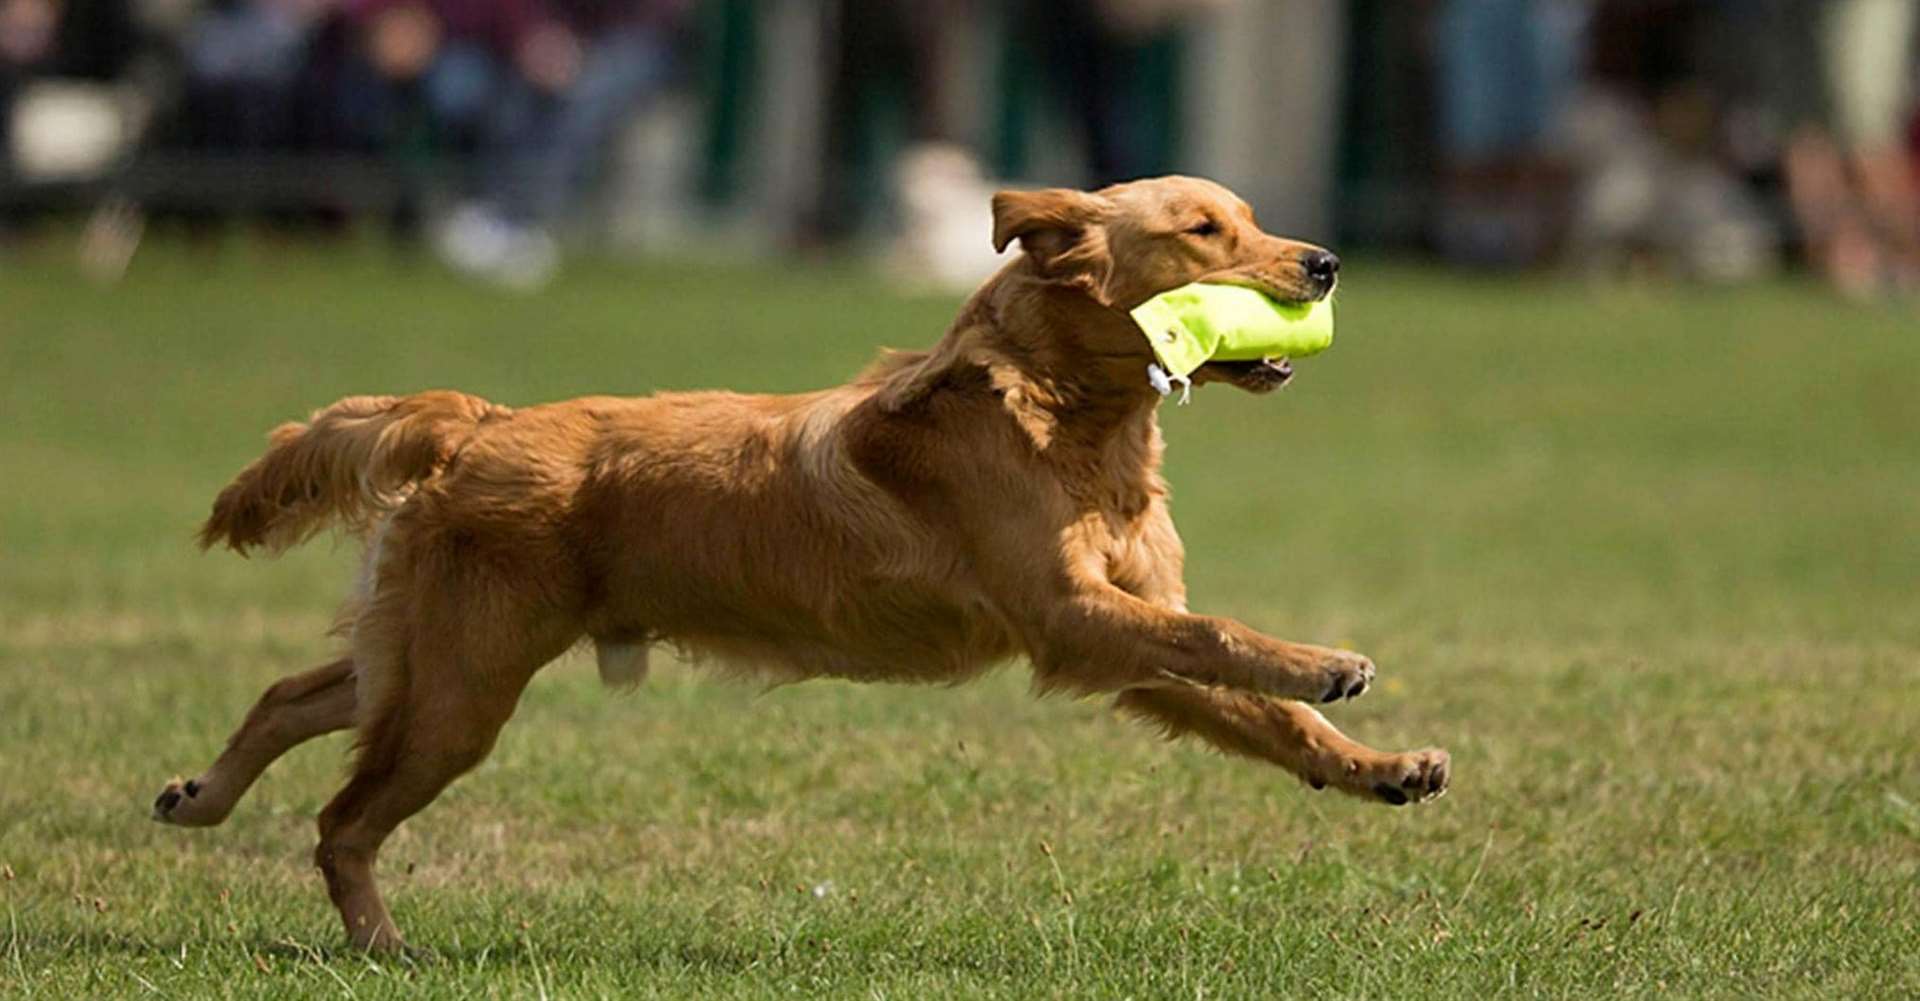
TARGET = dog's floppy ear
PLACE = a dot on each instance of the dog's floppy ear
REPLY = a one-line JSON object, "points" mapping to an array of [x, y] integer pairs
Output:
{"points": [[1064, 233]]}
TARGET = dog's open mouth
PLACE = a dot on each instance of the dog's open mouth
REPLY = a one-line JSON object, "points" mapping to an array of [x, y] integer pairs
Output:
{"points": [[1247, 337], [1265, 375], [1254, 376]]}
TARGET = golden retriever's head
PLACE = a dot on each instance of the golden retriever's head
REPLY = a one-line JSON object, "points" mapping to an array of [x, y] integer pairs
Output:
{"points": [[1125, 244]]}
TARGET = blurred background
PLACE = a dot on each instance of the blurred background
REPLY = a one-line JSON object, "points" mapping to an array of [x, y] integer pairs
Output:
{"points": [[1708, 140], [1613, 470]]}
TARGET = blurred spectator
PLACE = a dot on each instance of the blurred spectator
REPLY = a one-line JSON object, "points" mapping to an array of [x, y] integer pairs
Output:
{"points": [[1849, 173], [242, 59], [879, 52], [1088, 55], [27, 31], [71, 40], [1508, 73], [533, 91], [1661, 182], [1913, 132], [1097, 56]]}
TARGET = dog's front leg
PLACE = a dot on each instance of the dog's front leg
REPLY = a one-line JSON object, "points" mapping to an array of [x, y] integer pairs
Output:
{"points": [[1102, 639], [1296, 738]]}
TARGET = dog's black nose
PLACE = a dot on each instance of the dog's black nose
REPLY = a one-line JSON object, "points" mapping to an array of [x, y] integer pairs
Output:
{"points": [[1321, 267]]}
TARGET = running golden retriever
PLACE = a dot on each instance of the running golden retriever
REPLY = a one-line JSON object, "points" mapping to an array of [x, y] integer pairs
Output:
{"points": [[998, 495]]}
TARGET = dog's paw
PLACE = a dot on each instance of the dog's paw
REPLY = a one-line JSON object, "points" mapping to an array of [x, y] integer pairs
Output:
{"points": [[1394, 779], [1345, 675], [1414, 777], [182, 803]]}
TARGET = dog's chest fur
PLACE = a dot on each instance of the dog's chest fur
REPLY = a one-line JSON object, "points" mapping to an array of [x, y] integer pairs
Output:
{"points": [[787, 569]]}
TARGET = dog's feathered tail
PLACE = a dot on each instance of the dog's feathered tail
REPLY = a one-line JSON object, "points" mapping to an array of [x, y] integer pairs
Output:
{"points": [[353, 461]]}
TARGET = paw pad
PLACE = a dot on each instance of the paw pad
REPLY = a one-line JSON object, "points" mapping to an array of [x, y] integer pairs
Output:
{"points": [[176, 792]]}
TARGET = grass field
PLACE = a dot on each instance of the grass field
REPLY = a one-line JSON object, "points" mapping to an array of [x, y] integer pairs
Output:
{"points": [[1647, 563]]}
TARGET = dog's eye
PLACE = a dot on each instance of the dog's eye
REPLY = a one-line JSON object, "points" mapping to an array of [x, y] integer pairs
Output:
{"points": [[1204, 228]]}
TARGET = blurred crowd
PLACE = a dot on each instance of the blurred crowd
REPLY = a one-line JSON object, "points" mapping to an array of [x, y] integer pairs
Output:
{"points": [[511, 99], [1710, 139], [1693, 136]]}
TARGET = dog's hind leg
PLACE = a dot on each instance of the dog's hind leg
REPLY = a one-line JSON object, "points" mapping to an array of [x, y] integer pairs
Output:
{"points": [[1293, 736], [446, 724], [446, 648], [295, 709]]}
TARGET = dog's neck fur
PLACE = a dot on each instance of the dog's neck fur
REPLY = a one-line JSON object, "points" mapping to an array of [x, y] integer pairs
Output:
{"points": [[1073, 375], [1085, 362]]}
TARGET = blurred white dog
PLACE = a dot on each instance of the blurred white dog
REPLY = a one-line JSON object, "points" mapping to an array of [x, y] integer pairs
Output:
{"points": [[945, 242]]}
